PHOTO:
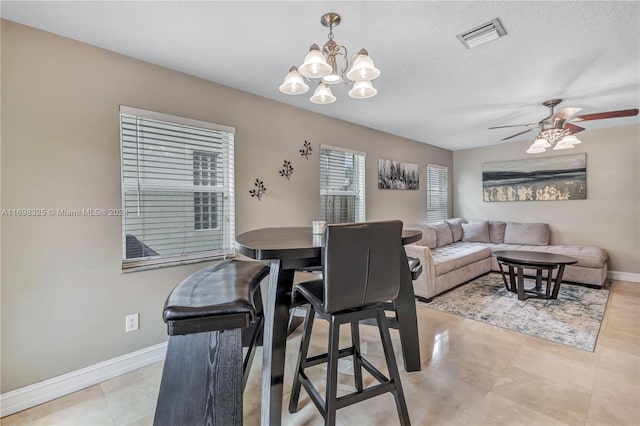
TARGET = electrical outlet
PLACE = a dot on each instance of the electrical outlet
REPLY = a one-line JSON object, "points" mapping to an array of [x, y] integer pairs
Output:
{"points": [[131, 322]]}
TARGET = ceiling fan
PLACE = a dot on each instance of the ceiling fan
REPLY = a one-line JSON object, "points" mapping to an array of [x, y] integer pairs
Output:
{"points": [[558, 126]]}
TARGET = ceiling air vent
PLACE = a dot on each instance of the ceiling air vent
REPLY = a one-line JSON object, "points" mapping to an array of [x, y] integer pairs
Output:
{"points": [[482, 34]]}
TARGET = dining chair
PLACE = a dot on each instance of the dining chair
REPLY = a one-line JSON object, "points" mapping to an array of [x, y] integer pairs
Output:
{"points": [[361, 270]]}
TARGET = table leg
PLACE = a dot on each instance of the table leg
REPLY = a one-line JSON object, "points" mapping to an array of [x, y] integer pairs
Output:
{"points": [[405, 306], [276, 312], [521, 283], [512, 280], [504, 277], [549, 283], [556, 287]]}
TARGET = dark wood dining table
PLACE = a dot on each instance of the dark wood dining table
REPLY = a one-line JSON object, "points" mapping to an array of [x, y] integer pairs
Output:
{"points": [[287, 250]]}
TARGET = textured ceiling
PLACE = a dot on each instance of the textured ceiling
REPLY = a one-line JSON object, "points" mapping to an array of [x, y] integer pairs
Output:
{"points": [[431, 89]]}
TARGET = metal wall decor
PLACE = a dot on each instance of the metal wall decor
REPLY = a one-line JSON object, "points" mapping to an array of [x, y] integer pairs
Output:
{"points": [[259, 190], [287, 169], [306, 151]]}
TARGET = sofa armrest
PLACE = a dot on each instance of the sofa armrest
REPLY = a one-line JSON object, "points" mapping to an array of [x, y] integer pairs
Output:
{"points": [[424, 286]]}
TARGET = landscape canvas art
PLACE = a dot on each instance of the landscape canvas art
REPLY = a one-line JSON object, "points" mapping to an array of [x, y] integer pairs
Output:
{"points": [[397, 175], [562, 177]]}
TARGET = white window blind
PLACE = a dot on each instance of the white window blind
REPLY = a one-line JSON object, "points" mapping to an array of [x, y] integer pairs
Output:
{"points": [[177, 189], [342, 190], [437, 193]]}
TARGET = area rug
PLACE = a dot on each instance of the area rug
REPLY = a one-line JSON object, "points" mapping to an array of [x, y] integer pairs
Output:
{"points": [[572, 319]]}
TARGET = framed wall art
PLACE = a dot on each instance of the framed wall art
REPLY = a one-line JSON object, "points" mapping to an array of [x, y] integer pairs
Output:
{"points": [[562, 177], [397, 175]]}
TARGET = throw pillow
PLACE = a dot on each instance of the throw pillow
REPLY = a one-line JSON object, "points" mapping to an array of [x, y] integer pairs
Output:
{"points": [[443, 233], [535, 234], [496, 231], [428, 237], [476, 232], [456, 229]]}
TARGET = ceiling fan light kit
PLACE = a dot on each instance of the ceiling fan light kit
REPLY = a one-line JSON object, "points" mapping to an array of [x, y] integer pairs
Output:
{"points": [[557, 131], [322, 65], [541, 143], [533, 150]]}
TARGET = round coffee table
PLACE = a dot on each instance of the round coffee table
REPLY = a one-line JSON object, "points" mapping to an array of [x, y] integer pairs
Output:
{"points": [[517, 261]]}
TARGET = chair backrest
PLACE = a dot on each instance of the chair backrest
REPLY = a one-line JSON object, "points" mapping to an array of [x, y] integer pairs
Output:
{"points": [[361, 264]]}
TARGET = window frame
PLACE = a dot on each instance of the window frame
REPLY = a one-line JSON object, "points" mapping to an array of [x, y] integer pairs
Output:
{"points": [[360, 191], [443, 214], [225, 186]]}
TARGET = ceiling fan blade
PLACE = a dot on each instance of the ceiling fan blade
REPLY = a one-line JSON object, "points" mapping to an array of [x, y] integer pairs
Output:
{"points": [[566, 112], [517, 134], [608, 114], [573, 128], [515, 125]]}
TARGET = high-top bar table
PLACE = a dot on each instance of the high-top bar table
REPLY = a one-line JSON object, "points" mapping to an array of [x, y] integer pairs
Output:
{"points": [[288, 249]]}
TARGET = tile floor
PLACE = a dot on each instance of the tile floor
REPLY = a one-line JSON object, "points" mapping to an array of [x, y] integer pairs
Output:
{"points": [[473, 374]]}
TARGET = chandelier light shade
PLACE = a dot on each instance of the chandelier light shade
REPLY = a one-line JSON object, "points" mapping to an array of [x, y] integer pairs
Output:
{"points": [[363, 68], [315, 65], [322, 95], [330, 65], [362, 90], [294, 83]]}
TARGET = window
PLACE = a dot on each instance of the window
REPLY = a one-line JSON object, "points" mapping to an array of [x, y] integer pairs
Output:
{"points": [[342, 192], [437, 193], [177, 189]]}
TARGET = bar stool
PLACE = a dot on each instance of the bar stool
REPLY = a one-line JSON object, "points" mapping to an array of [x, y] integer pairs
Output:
{"points": [[361, 271], [204, 373]]}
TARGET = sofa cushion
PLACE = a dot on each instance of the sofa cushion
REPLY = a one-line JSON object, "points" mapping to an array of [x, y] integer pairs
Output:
{"points": [[589, 257], [456, 228], [428, 237], [476, 232], [496, 231], [443, 234], [457, 255], [535, 234]]}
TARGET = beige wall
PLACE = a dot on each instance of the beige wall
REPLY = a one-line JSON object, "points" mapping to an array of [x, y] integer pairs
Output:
{"points": [[608, 218], [64, 298]]}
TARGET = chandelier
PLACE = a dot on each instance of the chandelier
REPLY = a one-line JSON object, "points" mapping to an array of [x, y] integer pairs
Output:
{"points": [[552, 134], [322, 66]]}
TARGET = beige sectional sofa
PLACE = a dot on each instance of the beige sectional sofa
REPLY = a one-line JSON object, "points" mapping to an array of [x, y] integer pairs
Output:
{"points": [[454, 251]]}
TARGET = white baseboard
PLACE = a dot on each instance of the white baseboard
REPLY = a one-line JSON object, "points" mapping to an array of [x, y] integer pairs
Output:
{"points": [[47, 390], [624, 276]]}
